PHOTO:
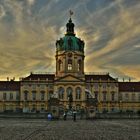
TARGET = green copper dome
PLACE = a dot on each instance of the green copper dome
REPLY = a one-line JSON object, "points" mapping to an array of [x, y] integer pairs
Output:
{"points": [[69, 42]]}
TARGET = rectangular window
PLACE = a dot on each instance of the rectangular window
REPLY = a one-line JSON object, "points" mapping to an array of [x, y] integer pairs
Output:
{"points": [[17, 96], [33, 86], [33, 108], [69, 64], [11, 96], [34, 95], [50, 94], [120, 96], [96, 86], [113, 96], [126, 96], [25, 86], [104, 85], [104, 96], [133, 96], [42, 107], [4, 96], [50, 86], [42, 86]]}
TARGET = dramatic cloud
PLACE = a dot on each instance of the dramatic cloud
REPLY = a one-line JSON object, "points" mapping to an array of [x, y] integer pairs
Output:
{"points": [[110, 29], [2, 12], [31, 2]]}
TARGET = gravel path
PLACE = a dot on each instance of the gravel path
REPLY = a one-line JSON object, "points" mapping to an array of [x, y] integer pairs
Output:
{"points": [[27, 129]]}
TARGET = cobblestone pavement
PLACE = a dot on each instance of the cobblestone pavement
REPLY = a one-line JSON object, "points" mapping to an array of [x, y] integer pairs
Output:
{"points": [[28, 129]]}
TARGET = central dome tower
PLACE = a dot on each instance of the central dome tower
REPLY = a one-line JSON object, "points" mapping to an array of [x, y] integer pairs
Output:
{"points": [[70, 53]]}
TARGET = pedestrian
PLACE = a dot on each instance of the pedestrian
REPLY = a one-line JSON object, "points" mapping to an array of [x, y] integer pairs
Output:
{"points": [[49, 117], [64, 116], [74, 115]]}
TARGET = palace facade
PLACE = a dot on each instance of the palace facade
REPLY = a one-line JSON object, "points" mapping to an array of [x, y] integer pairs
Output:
{"points": [[32, 93]]}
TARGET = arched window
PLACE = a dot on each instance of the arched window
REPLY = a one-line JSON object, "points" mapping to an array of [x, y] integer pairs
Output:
{"points": [[61, 93], [69, 64], [60, 65], [113, 96], [78, 93], [79, 65], [69, 93], [25, 95], [34, 95]]}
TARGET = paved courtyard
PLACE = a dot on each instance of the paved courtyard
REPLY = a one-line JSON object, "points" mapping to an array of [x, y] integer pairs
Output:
{"points": [[28, 129]]}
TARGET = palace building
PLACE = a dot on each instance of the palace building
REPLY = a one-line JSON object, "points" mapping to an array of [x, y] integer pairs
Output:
{"points": [[33, 92]]}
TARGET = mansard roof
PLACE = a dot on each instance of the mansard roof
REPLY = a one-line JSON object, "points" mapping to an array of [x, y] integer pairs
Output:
{"points": [[97, 77], [129, 86], [9, 85], [40, 77]]}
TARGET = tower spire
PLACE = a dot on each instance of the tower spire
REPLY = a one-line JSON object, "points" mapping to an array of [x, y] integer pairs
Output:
{"points": [[70, 25]]}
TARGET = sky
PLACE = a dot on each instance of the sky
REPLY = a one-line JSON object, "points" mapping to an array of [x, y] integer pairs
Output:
{"points": [[110, 28]]}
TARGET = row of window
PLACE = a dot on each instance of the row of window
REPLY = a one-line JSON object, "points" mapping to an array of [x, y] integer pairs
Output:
{"points": [[11, 96], [105, 96], [69, 92], [26, 95], [99, 85], [128, 96], [69, 67], [40, 86]]}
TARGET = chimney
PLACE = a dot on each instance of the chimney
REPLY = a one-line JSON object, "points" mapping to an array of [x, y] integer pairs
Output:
{"points": [[123, 79], [13, 78], [129, 79]]}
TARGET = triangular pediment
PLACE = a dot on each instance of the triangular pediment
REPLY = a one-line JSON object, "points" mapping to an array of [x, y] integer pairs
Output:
{"points": [[70, 78]]}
